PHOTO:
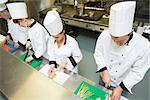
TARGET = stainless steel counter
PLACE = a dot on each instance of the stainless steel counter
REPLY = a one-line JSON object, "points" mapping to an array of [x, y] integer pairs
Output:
{"points": [[18, 81]]}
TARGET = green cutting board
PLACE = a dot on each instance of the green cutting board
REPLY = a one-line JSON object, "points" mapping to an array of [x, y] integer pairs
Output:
{"points": [[96, 91], [34, 63]]}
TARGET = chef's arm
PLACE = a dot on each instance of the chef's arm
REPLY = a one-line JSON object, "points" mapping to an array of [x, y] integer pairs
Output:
{"points": [[41, 45], [123, 87], [9, 31], [28, 40], [137, 72], [72, 61], [28, 44], [53, 63], [98, 55], [40, 50], [9, 36], [105, 77], [99, 58], [22, 45], [34, 57], [75, 57], [51, 58], [102, 69]]}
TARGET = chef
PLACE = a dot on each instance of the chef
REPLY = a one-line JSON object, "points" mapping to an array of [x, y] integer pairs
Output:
{"points": [[37, 34], [63, 50], [3, 23], [15, 32], [122, 56], [3, 1]]}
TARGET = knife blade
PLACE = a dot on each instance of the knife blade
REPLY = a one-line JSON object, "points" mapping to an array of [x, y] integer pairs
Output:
{"points": [[26, 54]]}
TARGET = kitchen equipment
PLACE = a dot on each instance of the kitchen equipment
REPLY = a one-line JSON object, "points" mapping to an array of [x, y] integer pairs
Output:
{"points": [[146, 32], [80, 9], [26, 55]]}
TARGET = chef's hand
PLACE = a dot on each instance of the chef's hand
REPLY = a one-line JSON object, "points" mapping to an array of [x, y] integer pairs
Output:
{"points": [[28, 44], [16, 45], [116, 93], [51, 70], [7, 37], [63, 63], [29, 59], [106, 78]]}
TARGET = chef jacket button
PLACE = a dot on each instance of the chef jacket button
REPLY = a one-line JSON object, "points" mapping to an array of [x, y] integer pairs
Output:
{"points": [[111, 60], [122, 55], [119, 63], [110, 68], [114, 78], [116, 71]]}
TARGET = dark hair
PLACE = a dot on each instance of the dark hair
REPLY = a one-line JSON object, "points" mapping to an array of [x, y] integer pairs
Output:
{"points": [[6, 9], [63, 22], [16, 20], [15, 1], [130, 33]]}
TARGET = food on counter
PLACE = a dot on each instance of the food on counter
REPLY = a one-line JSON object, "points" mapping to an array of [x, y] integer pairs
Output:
{"points": [[98, 98], [87, 91], [83, 91], [58, 76], [51, 73], [88, 94]]}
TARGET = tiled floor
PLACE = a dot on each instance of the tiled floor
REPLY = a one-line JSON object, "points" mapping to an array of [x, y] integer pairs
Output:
{"points": [[2, 96]]}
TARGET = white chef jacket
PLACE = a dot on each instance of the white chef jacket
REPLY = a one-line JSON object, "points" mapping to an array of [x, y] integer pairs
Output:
{"points": [[39, 38], [70, 48], [127, 64], [17, 32]]}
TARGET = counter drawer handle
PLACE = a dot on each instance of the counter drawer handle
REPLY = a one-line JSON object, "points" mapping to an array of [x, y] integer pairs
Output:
{"points": [[101, 29], [87, 25], [66, 21]]}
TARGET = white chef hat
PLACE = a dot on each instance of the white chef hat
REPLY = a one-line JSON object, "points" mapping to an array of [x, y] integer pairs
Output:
{"points": [[2, 7], [17, 10], [3, 1], [53, 23], [121, 18]]}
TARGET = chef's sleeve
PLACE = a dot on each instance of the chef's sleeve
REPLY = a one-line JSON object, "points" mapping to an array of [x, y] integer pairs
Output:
{"points": [[76, 55], [41, 44], [98, 55], [138, 70]]}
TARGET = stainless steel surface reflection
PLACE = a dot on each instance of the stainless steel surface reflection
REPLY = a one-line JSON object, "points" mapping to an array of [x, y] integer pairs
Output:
{"points": [[18, 81]]}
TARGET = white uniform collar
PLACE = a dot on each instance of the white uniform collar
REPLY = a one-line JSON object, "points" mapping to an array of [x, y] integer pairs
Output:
{"points": [[32, 23], [130, 37], [64, 41]]}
